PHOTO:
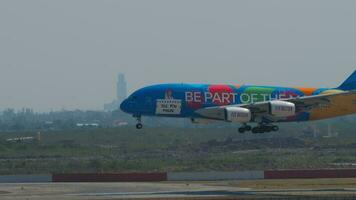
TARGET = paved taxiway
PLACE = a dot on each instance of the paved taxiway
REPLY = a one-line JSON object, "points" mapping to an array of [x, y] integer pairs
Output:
{"points": [[178, 190]]}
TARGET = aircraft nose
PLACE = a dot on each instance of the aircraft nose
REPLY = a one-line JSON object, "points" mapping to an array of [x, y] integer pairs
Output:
{"points": [[124, 106]]}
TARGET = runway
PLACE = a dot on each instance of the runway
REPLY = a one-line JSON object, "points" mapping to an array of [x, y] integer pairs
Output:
{"points": [[163, 190]]}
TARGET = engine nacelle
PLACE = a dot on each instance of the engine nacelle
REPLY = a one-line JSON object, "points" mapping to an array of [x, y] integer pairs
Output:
{"points": [[281, 108], [237, 114]]}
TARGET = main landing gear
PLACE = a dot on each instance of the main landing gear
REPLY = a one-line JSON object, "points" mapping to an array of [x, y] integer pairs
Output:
{"points": [[265, 128], [245, 128], [261, 128], [139, 124]]}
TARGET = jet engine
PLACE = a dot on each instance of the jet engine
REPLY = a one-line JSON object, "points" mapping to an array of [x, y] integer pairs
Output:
{"points": [[237, 114], [281, 108]]}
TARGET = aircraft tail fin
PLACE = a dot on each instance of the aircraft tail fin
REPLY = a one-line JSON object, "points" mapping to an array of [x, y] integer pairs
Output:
{"points": [[350, 83]]}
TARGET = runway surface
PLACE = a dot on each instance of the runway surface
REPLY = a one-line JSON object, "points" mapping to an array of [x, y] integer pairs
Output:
{"points": [[163, 190]]}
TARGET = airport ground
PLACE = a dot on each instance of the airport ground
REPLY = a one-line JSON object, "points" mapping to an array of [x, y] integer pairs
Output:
{"points": [[161, 149], [173, 149], [254, 189]]}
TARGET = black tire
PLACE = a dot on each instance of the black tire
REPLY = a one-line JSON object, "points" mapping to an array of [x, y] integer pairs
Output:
{"points": [[248, 128], [241, 130], [275, 128], [262, 130], [256, 129], [139, 126]]}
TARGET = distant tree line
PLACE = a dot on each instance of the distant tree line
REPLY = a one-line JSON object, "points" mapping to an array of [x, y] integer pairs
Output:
{"points": [[27, 119]]}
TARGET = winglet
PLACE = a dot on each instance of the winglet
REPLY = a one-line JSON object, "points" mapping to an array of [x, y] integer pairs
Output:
{"points": [[350, 83]]}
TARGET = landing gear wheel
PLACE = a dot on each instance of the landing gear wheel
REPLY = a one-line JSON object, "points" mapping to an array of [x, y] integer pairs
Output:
{"points": [[262, 130], [248, 128], [259, 129], [256, 129], [275, 128], [242, 129], [139, 126]]}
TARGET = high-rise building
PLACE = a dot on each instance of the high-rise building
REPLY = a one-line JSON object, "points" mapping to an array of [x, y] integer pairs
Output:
{"points": [[121, 94], [121, 88]]}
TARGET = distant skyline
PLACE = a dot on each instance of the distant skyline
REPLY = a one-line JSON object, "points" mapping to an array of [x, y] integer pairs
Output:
{"points": [[121, 87], [67, 54]]}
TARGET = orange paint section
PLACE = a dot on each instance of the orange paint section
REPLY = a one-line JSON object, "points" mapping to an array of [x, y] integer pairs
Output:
{"points": [[340, 105], [306, 91], [237, 86]]}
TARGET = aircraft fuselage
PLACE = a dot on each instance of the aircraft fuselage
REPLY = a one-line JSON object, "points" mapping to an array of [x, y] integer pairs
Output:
{"points": [[182, 100]]}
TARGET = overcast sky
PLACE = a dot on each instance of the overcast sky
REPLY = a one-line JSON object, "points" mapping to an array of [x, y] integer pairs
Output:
{"points": [[67, 53]]}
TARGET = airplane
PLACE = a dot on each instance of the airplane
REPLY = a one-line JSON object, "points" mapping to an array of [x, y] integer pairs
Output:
{"points": [[244, 104]]}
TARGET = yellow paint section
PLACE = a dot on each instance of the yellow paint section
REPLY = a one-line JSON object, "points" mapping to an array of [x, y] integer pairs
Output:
{"points": [[339, 105], [331, 91]]}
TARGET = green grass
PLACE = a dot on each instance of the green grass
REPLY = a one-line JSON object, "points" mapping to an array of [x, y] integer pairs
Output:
{"points": [[169, 149]]}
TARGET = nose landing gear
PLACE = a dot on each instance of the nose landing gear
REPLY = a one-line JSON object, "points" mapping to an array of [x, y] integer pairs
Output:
{"points": [[139, 124]]}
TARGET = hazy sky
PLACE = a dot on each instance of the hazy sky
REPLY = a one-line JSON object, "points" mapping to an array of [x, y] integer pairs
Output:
{"points": [[67, 53]]}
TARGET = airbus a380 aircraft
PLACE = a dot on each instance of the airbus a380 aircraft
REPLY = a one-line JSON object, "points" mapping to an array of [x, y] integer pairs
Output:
{"points": [[264, 105]]}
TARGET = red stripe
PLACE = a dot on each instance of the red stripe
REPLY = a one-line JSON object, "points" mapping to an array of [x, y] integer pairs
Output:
{"points": [[114, 177], [321, 173]]}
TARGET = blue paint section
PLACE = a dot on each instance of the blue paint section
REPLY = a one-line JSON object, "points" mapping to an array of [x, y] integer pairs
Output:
{"points": [[350, 83]]}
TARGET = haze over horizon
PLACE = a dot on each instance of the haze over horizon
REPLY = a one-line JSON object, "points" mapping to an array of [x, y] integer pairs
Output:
{"points": [[67, 54]]}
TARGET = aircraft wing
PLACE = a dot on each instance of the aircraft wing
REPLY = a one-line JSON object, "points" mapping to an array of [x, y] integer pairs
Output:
{"points": [[261, 109]]}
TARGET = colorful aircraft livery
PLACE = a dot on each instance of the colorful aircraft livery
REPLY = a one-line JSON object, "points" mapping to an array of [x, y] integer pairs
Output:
{"points": [[243, 104]]}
